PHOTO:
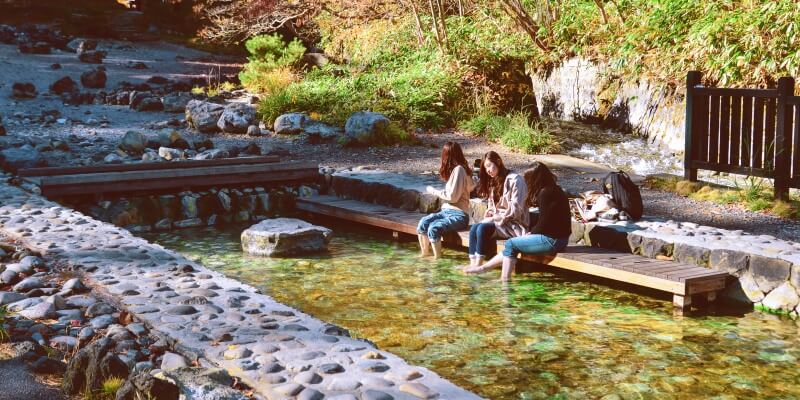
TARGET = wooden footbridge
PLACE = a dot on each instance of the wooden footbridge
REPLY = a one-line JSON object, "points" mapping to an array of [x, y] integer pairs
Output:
{"points": [[684, 281], [57, 182]]}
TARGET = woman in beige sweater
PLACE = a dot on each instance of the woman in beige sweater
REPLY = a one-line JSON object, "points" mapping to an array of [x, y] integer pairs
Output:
{"points": [[454, 214]]}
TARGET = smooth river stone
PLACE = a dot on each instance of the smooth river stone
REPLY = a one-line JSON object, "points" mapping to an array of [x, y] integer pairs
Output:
{"points": [[284, 237]]}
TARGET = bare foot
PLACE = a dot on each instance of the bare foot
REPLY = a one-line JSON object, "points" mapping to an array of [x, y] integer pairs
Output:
{"points": [[472, 270]]}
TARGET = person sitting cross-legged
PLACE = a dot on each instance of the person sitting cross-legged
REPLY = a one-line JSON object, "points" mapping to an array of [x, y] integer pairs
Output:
{"points": [[551, 232]]}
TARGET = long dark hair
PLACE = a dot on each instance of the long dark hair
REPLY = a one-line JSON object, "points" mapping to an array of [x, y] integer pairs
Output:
{"points": [[452, 156], [488, 186], [537, 178]]}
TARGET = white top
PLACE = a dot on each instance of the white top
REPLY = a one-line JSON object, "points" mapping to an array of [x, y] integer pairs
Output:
{"points": [[456, 192]]}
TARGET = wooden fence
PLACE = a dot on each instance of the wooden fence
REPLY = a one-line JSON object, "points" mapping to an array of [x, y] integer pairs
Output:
{"points": [[754, 132]]}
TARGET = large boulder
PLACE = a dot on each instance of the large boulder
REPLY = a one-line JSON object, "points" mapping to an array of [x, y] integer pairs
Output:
{"points": [[23, 90], [133, 142], [15, 159], [285, 236], [292, 123], [236, 118], [203, 115], [94, 78], [176, 102], [64, 85], [365, 127], [318, 132]]}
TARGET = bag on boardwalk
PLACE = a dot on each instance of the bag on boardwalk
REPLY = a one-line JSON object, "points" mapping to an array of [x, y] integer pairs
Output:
{"points": [[625, 194]]}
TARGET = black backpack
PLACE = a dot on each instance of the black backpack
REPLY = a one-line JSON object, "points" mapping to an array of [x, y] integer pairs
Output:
{"points": [[625, 193]]}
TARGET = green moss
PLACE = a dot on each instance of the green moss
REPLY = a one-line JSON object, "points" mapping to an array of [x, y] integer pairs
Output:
{"points": [[515, 130]]}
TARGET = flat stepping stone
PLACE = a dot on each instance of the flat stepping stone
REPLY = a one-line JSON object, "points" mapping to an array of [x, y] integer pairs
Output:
{"points": [[285, 237]]}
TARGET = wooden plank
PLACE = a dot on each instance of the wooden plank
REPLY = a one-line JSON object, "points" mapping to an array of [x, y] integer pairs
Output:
{"points": [[705, 286], [104, 177], [747, 133], [796, 144], [319, 207], [758, 134], [702, 128], [736, 130], [733, 169], [713, 130], [770, 118], [724, 129], [758, 93], [689, 274], [687, 271], [613, 274], [145, 166], [186, 182]]}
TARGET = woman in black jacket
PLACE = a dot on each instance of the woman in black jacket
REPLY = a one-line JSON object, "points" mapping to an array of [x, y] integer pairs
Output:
{"points": [[552, 230]]}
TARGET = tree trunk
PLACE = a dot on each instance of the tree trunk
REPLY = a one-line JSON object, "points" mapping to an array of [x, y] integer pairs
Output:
{"points": [[435, 25], [442, 23], [524, 21], [420, 36], [602, 10]]}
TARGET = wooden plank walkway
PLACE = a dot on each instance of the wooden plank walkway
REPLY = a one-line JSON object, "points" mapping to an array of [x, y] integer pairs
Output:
{"points": [[144, 166], [175, 176], [682, 280]]}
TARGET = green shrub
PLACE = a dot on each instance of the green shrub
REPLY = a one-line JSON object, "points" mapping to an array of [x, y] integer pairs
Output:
{"points": [[3, 332], [514, 130], [268, 69], [110, 386]]}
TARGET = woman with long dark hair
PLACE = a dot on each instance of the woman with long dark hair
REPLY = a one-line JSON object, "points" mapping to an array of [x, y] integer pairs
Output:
{"points": [[552, 230], [454, 214], [505, 216]]}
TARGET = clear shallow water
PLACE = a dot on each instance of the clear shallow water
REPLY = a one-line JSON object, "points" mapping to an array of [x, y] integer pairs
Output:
{"points": [[545, 336]]}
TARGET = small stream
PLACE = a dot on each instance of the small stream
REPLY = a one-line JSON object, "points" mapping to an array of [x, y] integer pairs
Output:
{"points": [[634, 155], [546, 336]]}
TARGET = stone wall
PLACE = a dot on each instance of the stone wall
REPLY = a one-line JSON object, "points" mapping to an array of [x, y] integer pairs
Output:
{"points": [[581, 90], [194, 208], [765, 271]]}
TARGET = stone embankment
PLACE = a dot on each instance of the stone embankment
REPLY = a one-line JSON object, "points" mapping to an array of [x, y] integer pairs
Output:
{"points": [[767, 270], [580, 90], [211, 320]]}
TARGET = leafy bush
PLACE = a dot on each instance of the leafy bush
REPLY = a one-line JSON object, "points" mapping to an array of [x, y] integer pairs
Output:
{"points": [[3, 332], [514, 130], [268, 69]]}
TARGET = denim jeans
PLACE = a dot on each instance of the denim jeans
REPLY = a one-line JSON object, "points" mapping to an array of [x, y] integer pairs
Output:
{"points": [[481, 239], [437, 224], [534, 244]]}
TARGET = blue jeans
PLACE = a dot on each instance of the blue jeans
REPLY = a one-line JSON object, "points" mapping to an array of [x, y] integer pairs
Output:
{"points": [[534, 244], [437, 224], [481, 239]]}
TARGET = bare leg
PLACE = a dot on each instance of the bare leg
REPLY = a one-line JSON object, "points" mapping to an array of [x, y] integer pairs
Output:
{"points": [[479, 259], [437, 249], [508, 268], [424, 245], [494, 262]]}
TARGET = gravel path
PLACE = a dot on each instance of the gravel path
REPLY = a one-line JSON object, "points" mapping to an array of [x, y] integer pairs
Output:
{"points": [[18, 383], [90, 138]]}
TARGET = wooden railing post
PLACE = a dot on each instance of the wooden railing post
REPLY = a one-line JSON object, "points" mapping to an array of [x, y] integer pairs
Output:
{"points": [[783, 137], [690, 173]]}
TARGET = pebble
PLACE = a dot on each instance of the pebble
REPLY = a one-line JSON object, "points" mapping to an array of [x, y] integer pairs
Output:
{"points": [[307, 378], [43, 310], [102, 321], [418, 390], [372, 394], [28, 284], [86, 333], [10, 297], [64, 343], [172, 361], [99, 309]]}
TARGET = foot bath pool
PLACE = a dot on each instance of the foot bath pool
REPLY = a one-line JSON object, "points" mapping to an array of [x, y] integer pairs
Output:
{"points": [[544, 336]]}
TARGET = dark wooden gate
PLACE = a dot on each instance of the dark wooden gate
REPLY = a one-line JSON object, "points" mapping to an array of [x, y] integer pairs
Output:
{"points": [[754, 132]]}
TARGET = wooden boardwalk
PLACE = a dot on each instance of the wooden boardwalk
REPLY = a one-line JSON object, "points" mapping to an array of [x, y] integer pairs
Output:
{"points": [[172, 176], [682, 280]]}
